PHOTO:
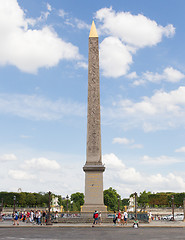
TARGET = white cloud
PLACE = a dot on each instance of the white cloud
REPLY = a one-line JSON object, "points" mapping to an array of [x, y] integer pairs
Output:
{"points": [[49, 7], [41, 164], [30, 49], [81, 24], [136, 146], [121, 172], [128, 142], [136, 30], [127, 33], [160, 160], [7, 157], [20, 175], [169, 74], [115, 57], [182, 149], [128, 180], [82, 65], [132, 75], [38, 108], [163, 110], [62, 13], [123, 141]]}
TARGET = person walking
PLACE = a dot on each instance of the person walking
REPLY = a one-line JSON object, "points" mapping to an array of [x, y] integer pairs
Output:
{"points": [[119, 217], [95, 216], [99, 218], [114, 218], [16, 218], [125, 217]]}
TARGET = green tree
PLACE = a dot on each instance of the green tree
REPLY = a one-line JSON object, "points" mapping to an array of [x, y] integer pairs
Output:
{"points": [[111, 199], [30, 200], [78, 200], [125, 202], [143, 199], [22, 199]]}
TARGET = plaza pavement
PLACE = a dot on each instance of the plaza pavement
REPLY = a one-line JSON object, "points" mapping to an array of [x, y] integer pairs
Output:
{"points": [[153, 224]]}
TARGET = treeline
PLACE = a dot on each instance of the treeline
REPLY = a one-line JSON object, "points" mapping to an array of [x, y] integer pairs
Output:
{"points": [[74, 202], [24, 199], [163, 199]]}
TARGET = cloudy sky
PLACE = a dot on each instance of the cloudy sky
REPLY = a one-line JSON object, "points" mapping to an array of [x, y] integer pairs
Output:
{"points": [[43, 94]]}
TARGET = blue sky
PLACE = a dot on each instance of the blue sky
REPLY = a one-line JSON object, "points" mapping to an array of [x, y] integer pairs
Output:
{"points": [[43, 94]]}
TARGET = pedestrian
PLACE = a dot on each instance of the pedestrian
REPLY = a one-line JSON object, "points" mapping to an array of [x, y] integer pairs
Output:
{"points": [[56, 217], [114, 218], [32, 216], [125, 217], [39, 217], [95, 217], [27, 217], [99, 218], [122, 218], [16, 218], [150, 216], [119, 217], [43, 217]]}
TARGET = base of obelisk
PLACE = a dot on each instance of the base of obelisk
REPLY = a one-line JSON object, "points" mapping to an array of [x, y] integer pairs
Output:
{"points": [[91, 208]]}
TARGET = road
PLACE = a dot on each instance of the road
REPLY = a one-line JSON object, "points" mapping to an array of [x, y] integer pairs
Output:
{"points": [[89, 233]]}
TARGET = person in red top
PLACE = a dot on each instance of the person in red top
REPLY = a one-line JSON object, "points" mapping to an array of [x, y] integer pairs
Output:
{"points": [[119, 217], [95, 216], [27, 217]]}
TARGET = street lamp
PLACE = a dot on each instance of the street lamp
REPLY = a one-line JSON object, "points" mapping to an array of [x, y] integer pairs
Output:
{"points": [[67, 197], [118, 202], [173, 207], [49, 213], [14, 199], [135, 194]]}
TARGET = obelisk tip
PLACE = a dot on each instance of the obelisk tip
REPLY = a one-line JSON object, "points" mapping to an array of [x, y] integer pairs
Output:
{"points": [[93, 32]]}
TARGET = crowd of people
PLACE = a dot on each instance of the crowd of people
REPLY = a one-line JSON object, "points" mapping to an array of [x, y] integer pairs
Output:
{"points": [[35, 217], [120, 218]]}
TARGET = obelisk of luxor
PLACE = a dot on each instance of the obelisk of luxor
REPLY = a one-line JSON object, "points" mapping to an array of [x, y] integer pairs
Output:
{"points": [[93, 167]]}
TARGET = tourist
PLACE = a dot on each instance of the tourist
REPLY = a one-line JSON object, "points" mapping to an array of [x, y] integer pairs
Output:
{"points": [[43, 217], [136, 223], [122, 218], [95, 217], [114, 218], [32, 216], [16, 218], [27, 217], [150, 216], [119, 217], [39, 217], [99, 218], [125, 217]]}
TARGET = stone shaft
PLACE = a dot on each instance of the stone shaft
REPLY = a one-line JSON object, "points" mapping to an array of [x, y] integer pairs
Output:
{"points": [[93, 154], [93, 167]]}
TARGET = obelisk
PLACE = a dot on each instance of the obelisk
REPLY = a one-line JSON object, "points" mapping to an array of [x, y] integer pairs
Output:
{"points": [[93, 167]]}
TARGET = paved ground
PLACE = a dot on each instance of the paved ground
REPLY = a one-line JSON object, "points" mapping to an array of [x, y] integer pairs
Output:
{"points": [[159, 224], [89, 233], [163, 230]]}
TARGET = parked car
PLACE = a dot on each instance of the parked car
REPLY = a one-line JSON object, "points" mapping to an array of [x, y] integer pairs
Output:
{"points": [[177, 217], [7, 217]]}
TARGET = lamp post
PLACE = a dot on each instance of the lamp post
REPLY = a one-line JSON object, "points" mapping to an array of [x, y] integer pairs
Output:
{"points": [[1, 209], [67, 197], [118, 202], [173, 207], [49, 213], [14, 199], [184, 209], [135, 194]]}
